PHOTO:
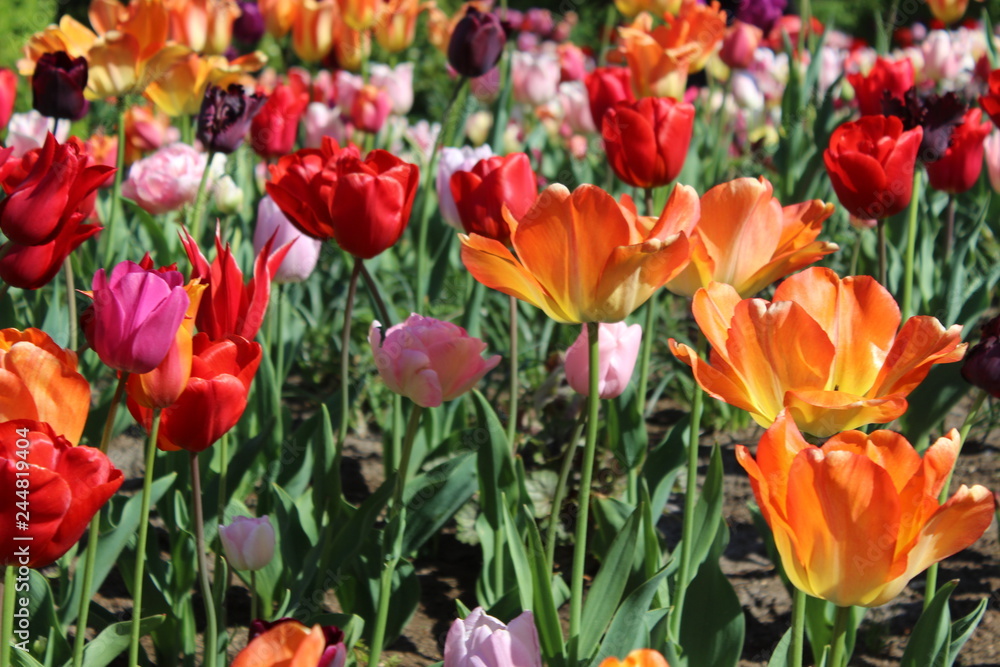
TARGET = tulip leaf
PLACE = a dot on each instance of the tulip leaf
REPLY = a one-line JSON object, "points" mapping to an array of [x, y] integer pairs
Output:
{"points": [[707, 512], [545, 609], [495, 472], [963, 628], [519, 557], [434, 497], [819, 626], [930, 640], [114, 640], [23, 659], [609, 584], [41, 614], [628, 627], [627, 433], [779, 657], [664, 463]]}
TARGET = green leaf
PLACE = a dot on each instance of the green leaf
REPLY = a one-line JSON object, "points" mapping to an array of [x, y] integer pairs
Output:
{"points": [[628, 628], [23, 659], [519, 557], [627, 433], [114, 640], [707, 512], [779, 658], [931, 637], [545, 609], [434, 497], [494, 468], [963, 628]]}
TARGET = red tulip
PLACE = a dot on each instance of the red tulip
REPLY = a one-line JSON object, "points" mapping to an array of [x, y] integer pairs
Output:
{"points": [[34, 266], [274, 128], [647, 141], [332, 193], [870, 162], [495, 182], [215, 397], [8, 91], [991, 101], [229, 307], [887, 76], [959, 168], [58, 486], [606, 86]]}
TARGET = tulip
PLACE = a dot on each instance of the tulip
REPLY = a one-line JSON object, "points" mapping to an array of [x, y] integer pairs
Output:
{"points": [[204, 25], [747, 239], [214, 399], [332, 193], [981, 367], [453, 160], [57, 85], [959, 168], [761, 13], [314, 29], [991, 149], [493, 184], [606, 86], [248, 543], [227, 195], [58, 186], [582, 256], [936, 115], [34, 266], [352, 48], [146, 131], [826, 349], [8, 92], [322, 121], [476, 43], [185, 77], [576, 107], [136, 316], [647, 141], [295, 643], [572, 63], [619, 346], [275, 127], [948, 11], [249, 27], [68, 486], [169, 178], [739, 44], [358, 14], [856, 519], [225, 117], [642, 657], [534, 78], [397, 82], [397, 28], [279, 15], [28, 131], [871, 163], [658, 68], [427, 360], [230, 308], [39, 381], [990, 102], [369, 109], [303, 251], [886, 77], [480, 639]]}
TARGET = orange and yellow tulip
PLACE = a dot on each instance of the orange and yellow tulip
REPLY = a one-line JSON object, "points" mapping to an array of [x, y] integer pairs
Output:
{"points": [[352, 47], [826, 349], [204, 25], [396, 25], [642, 657], [359, 14], [183, 76], [856, 519], [279, 15], [745, 238], [584, 257], [316, 26], [291, 644], [629, 8], [39, 381], [70, 36]]}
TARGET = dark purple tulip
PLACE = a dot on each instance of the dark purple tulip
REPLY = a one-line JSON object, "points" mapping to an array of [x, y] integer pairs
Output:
{"points": [[225, 117], [981, 367], [761, 13], [476, 44], [249, 27], [939, 115], [57, 85]]}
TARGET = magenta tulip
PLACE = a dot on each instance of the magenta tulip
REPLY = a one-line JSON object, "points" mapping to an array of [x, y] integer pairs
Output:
{"points": [[619, 346]]}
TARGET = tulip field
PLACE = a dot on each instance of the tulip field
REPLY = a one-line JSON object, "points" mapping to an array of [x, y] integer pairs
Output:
{"points": [[404, 333]]}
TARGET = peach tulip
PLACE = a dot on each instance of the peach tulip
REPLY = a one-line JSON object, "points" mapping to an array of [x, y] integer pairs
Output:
{"points": [[642, 657], [828, 349], [856, 519]]}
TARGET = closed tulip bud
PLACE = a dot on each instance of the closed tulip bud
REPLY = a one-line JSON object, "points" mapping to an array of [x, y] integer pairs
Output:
{"points": [[739, 44], [228, 195], [959, 168], [477, 127], [606, 87], [981, 367], [370, 108], [429, 361], [886, 77], [647, 141], [493, 184], [453, 160], [358, 14], [619, 345], [57, 85], [480, 639], [225, 117], [476, 43], [397, 28], [274, 129], [314, 29], [302, 254], [249, 27], [248, 543]]}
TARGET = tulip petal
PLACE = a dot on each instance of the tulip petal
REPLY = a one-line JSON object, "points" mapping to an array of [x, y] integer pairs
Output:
{"points": [[278, 646], [48, 498], [713, 308], [60, 395], [785, 264], [823, 413], [728, 388], [921, 343], [633, 273]]}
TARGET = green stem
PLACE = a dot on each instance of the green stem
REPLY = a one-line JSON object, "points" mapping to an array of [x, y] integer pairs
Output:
{"points": [[107, 242], [474, 310], [70, 300], [404, 463], [881, 254], [911, 247], [93, 534], [838, 643], [560, 494], [586, 477], [254, 602], [7, 625], [211, 623], [382, 615], [798, 629], [949, 227], [514, 385], [199, 201], [646, 352], [345, 358], [187, 129], [140, 548], [383, 312], [609, 24], [221, 502], [856, 253], [690, 496], [279, 338]]}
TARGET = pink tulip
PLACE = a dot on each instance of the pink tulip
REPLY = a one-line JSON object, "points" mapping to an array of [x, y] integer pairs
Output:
{"points": [[27, 131], [480, 640], [136, 316], [576, 106], [370, 108], [397, 82], [739, 45], [572, 62], [535, 78], [303, 254], [346, 86], [991, 149], [452, 160], [429, 361], [619, 347], [169, 178], [322, 121], [248, 543]]}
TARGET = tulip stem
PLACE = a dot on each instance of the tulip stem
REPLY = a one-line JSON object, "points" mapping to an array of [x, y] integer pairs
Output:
{"points": [[949, 225], [690, 496], [254, 603], [3, 290], [798, 628], [93, 534], [345, 360], [222, 500], [881, 254], [838, 644], [279, 337], [586, 477], [211, 623], [70, 300], [107, 242], [911, 247], [932, 572], [609, 24], [855, 254], [7, 626], [140, 547], [383, 312], [560, 494], [199, 201], [412, 425], [514, 385]]}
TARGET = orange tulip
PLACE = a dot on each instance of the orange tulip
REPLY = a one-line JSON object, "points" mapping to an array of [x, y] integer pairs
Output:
{"points": [[584, 257], [396, 25], [184, 75], [826, 348], [290, 644], [694, 23], [643, 657], [39, 381], [70, 36], [204, 25], [352, 47], [359, 14], [629, 8], [279, 15], [856, 519], [747, 239], [315, 28]]}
